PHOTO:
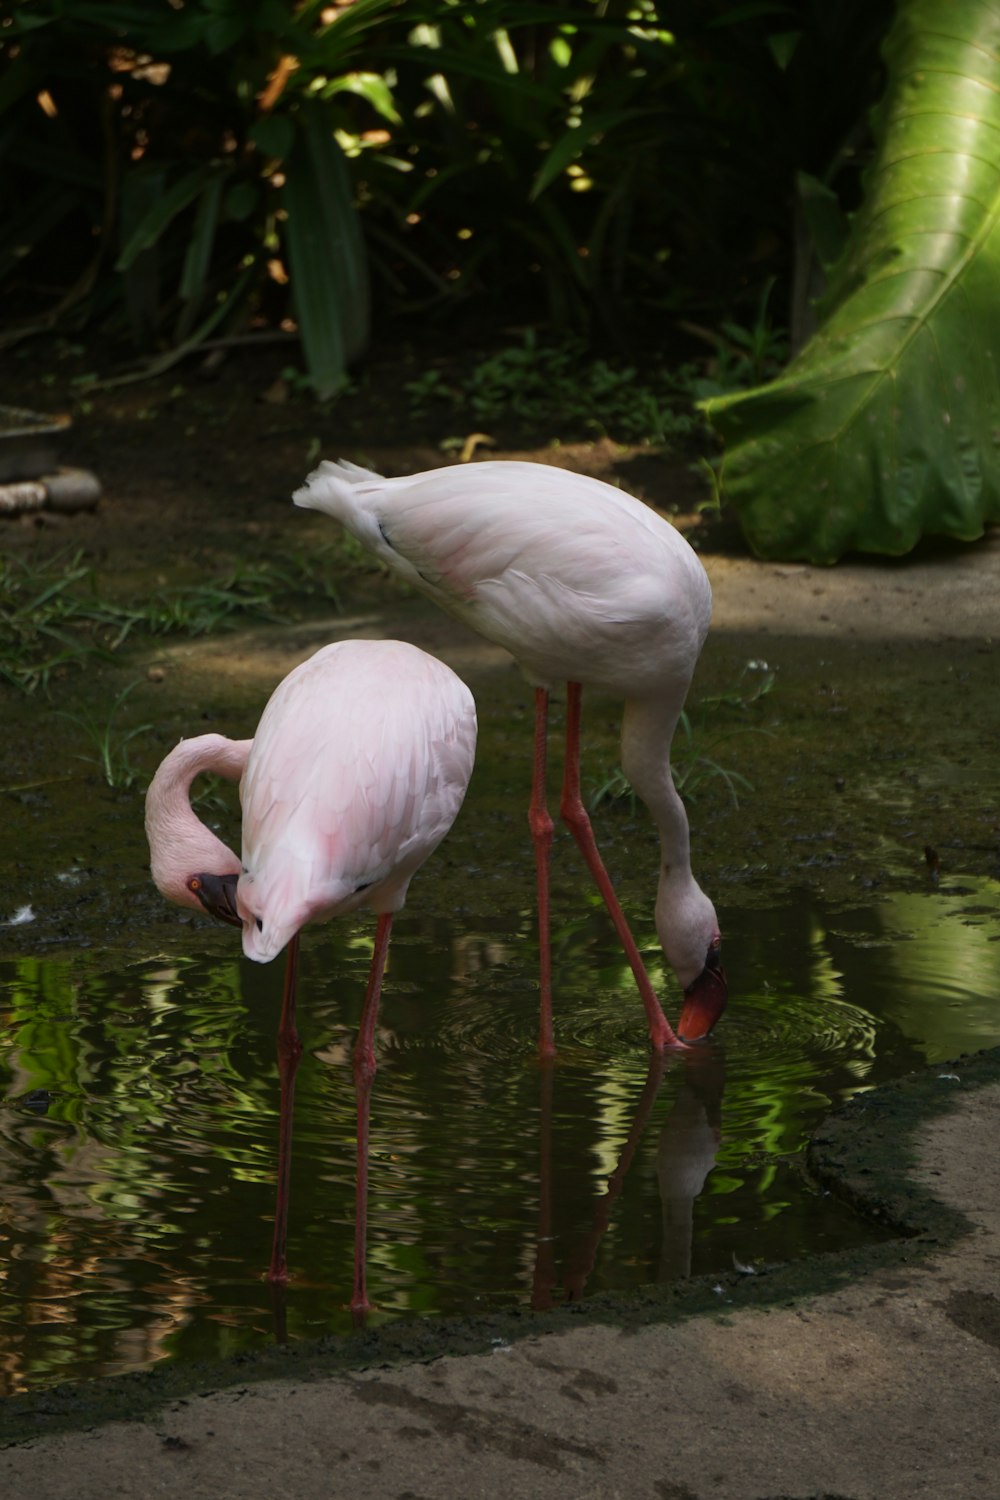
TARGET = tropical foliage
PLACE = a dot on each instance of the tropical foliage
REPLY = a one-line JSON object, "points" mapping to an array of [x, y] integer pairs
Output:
{"points": [[186, 170], [691, 177], [192, 150], [885, 428]]}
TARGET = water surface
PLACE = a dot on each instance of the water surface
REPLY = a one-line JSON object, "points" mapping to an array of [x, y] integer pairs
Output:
{"points": [[138, 1126]]}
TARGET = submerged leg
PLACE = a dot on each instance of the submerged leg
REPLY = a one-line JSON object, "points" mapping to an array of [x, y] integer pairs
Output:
{"points": [[541, 825], [364, 1076], [289, 1053], [574, 815]]}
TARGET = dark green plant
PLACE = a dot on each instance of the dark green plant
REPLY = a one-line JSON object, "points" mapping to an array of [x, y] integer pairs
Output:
{"points": [[195, 169], [528, 152], [585, 160], [111, 744], [884, 428], [197, 150], [614, 788], [744, 355]]}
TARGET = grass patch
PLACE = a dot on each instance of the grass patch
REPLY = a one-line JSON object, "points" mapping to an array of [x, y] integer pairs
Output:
{"points": [[111, 744], [694, 755], [538, 386], [55, 615]]}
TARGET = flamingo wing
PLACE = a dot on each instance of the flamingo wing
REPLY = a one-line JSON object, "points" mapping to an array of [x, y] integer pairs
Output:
{"points": [[358, 769], [557, 567]]}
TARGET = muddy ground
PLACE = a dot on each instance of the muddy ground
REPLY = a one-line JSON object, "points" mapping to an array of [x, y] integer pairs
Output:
{"points": [[878, 740]]}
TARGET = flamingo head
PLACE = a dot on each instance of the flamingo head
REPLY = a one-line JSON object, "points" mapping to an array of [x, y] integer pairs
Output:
{"points": [[704, 998], [217, 894], [692, 943]]}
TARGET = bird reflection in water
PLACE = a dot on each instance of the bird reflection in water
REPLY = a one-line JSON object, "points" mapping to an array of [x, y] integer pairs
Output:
{"points": [[686, 1152]]}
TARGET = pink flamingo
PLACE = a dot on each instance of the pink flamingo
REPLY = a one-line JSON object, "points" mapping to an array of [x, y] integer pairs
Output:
{"points": [[583, 584], [356, 772]]}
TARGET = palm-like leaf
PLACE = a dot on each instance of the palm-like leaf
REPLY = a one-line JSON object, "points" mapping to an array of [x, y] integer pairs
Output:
{"points": [[326, 251], [886, 427]]}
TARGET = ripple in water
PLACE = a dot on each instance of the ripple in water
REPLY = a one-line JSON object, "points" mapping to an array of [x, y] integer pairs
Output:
{"points": [[773, 1032]]}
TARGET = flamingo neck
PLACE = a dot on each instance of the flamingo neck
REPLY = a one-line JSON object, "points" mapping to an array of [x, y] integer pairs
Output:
{"points": [[180, 845], [686, 922], [647, 729]]}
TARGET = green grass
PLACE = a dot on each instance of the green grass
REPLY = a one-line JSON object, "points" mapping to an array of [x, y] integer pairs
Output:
{"points": [[50, 617], [560, 388], [111, 745], [55, 616]]}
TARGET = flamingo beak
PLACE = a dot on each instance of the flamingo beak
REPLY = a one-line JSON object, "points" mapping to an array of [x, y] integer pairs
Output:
{"points": [[704, 1000], [217, 894]]}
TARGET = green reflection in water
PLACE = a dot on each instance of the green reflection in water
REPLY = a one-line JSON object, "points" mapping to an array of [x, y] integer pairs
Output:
{"points": [[138, 1127]]}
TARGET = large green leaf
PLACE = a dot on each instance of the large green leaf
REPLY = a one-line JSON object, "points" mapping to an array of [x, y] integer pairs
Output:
{"points": [[886, 427]]}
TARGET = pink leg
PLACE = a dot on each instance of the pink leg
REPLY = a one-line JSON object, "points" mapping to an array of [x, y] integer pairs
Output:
{"points": [[364, 1076], [574, 814], [289, 1053], [541, 826]]}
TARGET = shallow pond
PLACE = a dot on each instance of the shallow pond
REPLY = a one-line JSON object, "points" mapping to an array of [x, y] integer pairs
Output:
{"points": [[138, 1139]]}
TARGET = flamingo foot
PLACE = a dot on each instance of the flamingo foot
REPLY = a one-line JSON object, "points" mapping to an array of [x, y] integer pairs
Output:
{"points": [[662, 1036]]}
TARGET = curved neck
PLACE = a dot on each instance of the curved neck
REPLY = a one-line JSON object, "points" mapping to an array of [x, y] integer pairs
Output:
{"points": [[686, 922], [647, 729], [179, 843]]}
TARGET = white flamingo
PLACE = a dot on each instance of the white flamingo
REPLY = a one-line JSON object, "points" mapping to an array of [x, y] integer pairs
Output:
{"points": [[356, 772], [583, 584]]}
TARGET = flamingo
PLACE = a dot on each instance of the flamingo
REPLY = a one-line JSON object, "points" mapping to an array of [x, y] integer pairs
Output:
{"points": [[357, 771], [582, 584]]}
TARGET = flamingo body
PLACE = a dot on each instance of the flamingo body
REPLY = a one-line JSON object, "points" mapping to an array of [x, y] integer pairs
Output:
{"points": [[578, 580], [583, 584], [356, 772]]}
